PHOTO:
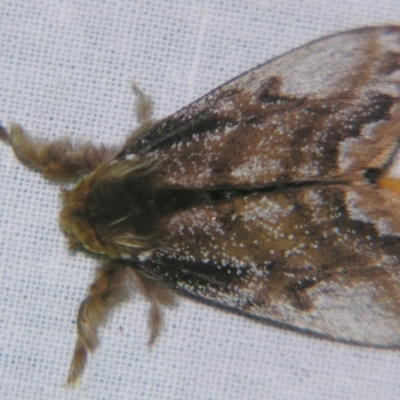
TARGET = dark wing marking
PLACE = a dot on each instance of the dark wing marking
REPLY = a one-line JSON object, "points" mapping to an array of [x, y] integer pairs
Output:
{"points": [[320, 112]]}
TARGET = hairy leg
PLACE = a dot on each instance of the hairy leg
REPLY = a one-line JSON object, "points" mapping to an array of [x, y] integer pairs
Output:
{"points": [[63, 161], [59, 160], [144, 111], [113, 285], [158, 294]]}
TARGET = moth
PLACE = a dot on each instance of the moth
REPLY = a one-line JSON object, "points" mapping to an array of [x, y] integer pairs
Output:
{"points": [[273, 196]]}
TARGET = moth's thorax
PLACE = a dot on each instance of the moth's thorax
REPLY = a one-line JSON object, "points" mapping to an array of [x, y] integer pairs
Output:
{"points": [[121, 209], [111, 211]]}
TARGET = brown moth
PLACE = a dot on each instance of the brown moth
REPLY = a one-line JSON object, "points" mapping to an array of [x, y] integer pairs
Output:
{"points": [[272, 195]]}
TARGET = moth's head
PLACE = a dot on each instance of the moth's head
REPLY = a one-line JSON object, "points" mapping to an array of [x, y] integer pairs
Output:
{"points": [[74, 218]]}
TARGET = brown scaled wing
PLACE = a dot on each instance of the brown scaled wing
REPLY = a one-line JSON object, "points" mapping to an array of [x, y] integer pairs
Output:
{"points": [[294, 230]]}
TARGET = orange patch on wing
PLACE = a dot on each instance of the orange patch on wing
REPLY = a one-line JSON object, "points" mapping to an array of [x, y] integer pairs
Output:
{"points": [[390, 183]]}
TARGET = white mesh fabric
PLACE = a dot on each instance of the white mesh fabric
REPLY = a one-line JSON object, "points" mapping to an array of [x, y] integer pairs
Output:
{"points": [[66, 68]]}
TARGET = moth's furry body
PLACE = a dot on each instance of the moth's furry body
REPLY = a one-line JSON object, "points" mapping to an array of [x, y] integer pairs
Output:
{"points": [[271, 195]]}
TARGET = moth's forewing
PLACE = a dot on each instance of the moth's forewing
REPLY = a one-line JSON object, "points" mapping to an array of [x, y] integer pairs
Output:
{"points": [[300, 234], [296, 256], [324, 110]]}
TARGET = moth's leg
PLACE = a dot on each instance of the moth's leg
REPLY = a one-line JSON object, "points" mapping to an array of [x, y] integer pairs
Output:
{"points": [[144, 111], [110, 288], [59, 159], [113, 284], [158, 294], [63, 161], [144, 105]]}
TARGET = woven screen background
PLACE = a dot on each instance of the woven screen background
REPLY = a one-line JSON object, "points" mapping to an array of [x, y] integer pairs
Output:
{"points": [[66, 69]]}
